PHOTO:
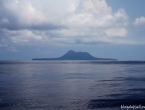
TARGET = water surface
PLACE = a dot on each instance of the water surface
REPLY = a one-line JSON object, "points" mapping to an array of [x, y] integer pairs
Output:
{"points": [[71, 85]]}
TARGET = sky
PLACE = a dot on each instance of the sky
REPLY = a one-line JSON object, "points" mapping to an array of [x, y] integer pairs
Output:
{"points": [[49, 28]]}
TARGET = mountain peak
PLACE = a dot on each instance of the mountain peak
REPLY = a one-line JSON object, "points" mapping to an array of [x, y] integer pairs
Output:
{"points": [[70, 51], [72, 55]]}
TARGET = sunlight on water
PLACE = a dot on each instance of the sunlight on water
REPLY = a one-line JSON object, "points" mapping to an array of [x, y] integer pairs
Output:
{"points": [[43, 85]]}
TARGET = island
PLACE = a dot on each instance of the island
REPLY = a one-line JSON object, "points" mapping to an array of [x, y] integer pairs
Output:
{"points": [[72, 55]]}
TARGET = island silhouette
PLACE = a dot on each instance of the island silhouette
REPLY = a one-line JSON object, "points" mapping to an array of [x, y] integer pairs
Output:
{"points": [[72, 55]]}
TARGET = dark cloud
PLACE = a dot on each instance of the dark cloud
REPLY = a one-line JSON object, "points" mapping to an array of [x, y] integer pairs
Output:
{"points": [[47, 27], [13, 25]]}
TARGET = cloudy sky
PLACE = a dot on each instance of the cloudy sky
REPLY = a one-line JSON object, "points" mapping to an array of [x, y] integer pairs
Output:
{"points": [[49, 28]]}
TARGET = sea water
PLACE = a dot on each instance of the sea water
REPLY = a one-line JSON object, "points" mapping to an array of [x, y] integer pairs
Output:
{"points": [[72, 85]]}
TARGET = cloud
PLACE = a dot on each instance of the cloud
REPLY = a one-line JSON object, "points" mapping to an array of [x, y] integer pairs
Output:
{"points": [[64, 22], [139, 21], [97, 14], [24, 36], [20, 15], [121, 32]]}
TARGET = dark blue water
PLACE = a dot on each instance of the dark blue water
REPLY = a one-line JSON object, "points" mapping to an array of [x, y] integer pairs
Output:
{"points": [[71, 85]]}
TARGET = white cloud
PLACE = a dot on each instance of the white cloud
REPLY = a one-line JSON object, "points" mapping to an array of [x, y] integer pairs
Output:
{"points": [[121, 32], [24, 36], [139, 21], [24, 13], [84, 21]]}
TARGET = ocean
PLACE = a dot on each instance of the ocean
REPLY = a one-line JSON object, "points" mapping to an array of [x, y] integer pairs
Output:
{"points": [[72, 85]]}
